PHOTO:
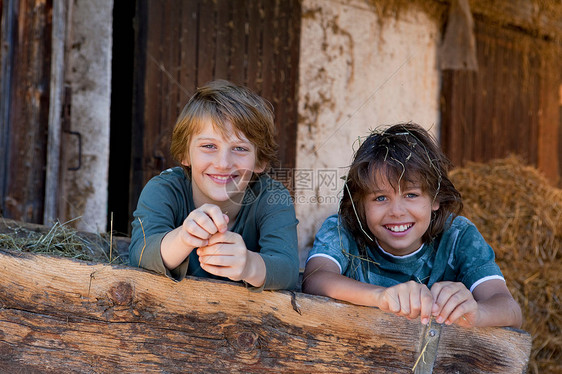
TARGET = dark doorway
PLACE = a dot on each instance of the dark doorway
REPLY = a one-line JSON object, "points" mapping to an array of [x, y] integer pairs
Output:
{"points": [[121, 116]]}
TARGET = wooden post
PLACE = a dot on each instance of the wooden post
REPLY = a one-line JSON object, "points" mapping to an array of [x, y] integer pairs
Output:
{"points": [[66, 315], [58, 40], [24, 97]]}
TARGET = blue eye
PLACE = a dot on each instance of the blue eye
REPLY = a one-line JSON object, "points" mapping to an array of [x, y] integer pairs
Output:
{"points": [[380, 198], [208, 146], [240, 149], [411, 195]]}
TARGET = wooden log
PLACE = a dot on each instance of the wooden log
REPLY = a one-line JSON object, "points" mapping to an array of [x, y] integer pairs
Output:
{"points": [[64, 315]]}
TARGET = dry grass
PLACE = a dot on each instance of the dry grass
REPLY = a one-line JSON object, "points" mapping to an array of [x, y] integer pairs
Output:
{"points": [[520, 215], [60, 240]]}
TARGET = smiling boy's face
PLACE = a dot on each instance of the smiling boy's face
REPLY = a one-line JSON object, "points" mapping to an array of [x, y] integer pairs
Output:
{"points": [[221, 165], [398, 218]]}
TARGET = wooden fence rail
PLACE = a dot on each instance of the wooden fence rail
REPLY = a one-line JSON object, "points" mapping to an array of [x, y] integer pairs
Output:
{"points": [[63, 315]]}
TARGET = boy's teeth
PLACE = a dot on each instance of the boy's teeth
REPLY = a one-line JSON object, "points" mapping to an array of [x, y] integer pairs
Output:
{"points": [[399, 228]]}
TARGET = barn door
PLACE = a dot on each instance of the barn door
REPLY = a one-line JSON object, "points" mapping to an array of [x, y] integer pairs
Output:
{"points": [[183, 44], [25, 62], [511, 105]]}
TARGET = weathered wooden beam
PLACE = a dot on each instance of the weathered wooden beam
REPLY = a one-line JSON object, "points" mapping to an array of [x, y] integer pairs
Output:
{"points": [[52, 168], [66, 315], [539, 18], [542, 19]]}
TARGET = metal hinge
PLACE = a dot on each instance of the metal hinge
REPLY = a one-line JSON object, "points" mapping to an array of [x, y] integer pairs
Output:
{"points": [[428, 348], [65, 124]]}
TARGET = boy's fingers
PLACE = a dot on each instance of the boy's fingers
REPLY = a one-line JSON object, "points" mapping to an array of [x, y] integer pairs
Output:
{"points": [[405, 307], [441, 293], [421, 302], [455, 314], [219, 219], [201, 219], [426, 305], [225, 237], [216, 259], [454, 303], [435, 291], [193, 241], [208, 251], [199, 229], [415, 303], [392, 300], [206, 221]]}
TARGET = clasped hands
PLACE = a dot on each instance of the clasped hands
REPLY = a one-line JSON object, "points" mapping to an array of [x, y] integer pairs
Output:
{"points": [[221, 252], [447, 302]]}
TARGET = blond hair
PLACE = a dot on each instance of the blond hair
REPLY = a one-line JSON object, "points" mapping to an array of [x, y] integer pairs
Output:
{"points": [[223, 102]]}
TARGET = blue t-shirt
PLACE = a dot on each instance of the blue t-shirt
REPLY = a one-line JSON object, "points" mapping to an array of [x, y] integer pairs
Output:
{"points": [[459, 254]]}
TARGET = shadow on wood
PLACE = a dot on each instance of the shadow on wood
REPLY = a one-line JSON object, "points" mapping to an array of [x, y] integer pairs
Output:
{"points": [[64, 315]]}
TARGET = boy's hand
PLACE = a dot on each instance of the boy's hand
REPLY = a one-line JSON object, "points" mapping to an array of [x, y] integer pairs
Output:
{"points": [[410, 299], [202, 223], [194, 232], [226, 255], [454, 303]]}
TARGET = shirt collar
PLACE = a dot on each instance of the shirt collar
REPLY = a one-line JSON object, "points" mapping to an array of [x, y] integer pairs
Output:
{"points": [[399, 257]]}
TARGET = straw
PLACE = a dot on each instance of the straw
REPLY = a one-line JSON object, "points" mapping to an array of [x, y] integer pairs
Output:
{"points": [[519, 213]]}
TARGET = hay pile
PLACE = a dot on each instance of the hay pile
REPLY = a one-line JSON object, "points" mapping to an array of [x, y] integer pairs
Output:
{"points": [[520, 215], [59, 240]]}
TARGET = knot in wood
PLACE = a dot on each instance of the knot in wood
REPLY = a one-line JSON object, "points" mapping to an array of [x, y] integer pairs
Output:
{"points": [[247, 341], [121, 294], [244, 341], [245, 344]]}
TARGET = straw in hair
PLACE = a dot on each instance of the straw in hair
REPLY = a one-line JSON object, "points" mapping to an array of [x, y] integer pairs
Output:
{"points": [[401, 154]]}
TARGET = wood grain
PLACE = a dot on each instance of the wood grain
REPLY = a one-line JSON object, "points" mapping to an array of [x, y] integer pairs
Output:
{"points": [[66, 315]]}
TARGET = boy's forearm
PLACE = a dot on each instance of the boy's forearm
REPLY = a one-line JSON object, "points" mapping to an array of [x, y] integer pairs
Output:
{"points": [[173, 250], [255, 270], [341, 287], [500, 310]]}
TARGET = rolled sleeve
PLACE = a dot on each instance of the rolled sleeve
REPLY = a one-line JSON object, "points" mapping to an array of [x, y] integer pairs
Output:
{"points": [[332, 241]]}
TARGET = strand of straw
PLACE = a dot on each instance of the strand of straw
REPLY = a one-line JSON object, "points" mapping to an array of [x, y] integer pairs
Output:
{"points": [[144, 238]]}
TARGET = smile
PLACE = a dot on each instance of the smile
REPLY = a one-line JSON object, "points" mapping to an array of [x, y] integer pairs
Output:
{"points": [[399, 228], [221, 178]]}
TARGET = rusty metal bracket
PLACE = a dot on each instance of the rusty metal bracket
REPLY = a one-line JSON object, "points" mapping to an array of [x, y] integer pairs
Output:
{"points": [[428, 348], [65, 124]]}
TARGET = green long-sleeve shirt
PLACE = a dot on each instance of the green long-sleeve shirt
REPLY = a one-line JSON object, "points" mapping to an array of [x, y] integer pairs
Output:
{"points": [[266, 222]]}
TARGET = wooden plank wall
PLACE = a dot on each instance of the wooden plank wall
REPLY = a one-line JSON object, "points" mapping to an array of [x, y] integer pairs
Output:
{"points": [[507, 107], [183, 44], [25, 76]]}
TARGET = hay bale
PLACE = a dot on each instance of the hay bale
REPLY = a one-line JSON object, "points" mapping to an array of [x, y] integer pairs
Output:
{"points": [[520, 215]]}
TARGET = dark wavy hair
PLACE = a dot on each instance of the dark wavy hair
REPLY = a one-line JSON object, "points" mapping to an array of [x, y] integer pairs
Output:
{"points": [[403, 153]]}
